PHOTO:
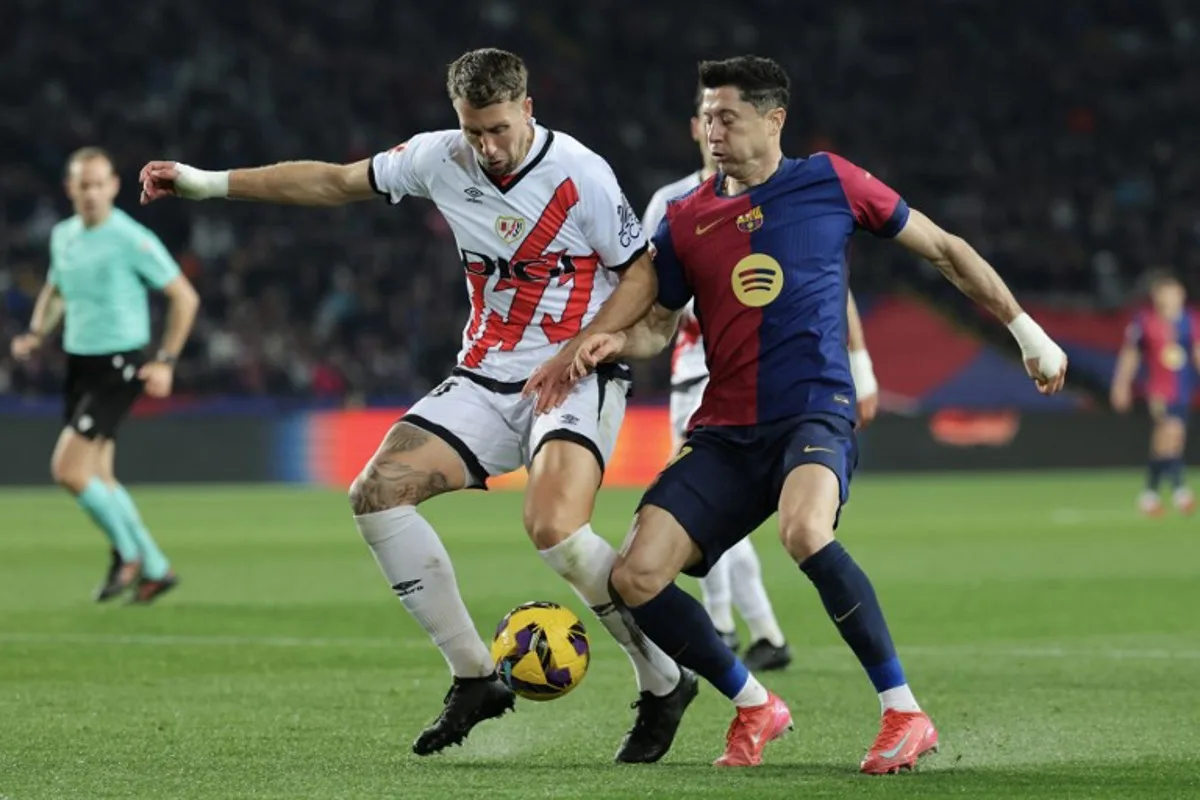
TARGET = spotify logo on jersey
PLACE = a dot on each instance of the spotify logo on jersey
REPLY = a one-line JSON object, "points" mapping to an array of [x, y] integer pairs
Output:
{"points": [[757, 280]]}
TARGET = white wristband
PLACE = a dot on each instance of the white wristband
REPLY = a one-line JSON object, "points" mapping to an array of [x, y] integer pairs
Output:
{"points": [[863, 372], [199, 184], [1035, 344]]}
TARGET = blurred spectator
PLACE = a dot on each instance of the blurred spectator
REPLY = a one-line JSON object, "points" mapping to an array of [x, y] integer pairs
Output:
{"points": [[1052, 136]]}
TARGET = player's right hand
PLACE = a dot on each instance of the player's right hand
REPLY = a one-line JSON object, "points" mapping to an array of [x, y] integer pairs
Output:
{"points": [[24, 345], [161, 179], [596, 349], [868, 407], [1052, 383], [1122, 399]]}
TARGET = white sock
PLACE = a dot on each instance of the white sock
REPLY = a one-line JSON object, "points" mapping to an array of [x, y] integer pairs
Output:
{"points": [[750, 593], [585, 561], [418, 569], [752, 694], [715, 593], [898, 699]]}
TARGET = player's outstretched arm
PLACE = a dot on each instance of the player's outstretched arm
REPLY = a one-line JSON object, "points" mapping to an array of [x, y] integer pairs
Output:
{"points": [[1128, 360], [628, 303], [866, 387], [47, 314], [1044, 360], [647, 338], [303, 183], [652, 333]]}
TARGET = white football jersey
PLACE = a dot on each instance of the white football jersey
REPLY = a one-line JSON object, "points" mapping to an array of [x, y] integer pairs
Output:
{"points": [[541, 247], [687, 359]]}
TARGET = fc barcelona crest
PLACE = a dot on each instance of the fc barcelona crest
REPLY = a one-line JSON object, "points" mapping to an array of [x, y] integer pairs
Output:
{"points": [[751, 221], [510, 229]]}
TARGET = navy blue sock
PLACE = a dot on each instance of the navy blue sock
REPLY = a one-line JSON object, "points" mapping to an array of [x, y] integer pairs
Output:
{"points": [[676, 622], [1173, 471], [1154, 473], [850, 601]]}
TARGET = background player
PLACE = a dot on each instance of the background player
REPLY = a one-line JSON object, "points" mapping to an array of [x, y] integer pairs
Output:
{"points": [[544, 234], [736, 579], [760, 248], [101, 262], [1165, 336]]}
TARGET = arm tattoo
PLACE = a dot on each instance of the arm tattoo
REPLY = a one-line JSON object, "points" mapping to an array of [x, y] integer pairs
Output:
{"points": [[390, 481]]}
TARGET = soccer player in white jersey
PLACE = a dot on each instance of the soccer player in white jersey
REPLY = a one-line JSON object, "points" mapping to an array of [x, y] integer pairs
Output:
{"points": [[735, 580], [545, 235]]}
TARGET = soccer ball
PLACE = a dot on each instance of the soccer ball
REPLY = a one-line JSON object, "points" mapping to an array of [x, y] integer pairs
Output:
{"points": [[541, 650]]}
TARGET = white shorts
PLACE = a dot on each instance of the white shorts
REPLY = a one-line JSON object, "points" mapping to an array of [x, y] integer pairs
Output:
{"points": [[684, 402], [493, 429]]}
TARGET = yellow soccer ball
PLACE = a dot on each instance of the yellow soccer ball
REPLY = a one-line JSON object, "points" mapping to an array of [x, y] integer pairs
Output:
{"points": [[541, 650]]}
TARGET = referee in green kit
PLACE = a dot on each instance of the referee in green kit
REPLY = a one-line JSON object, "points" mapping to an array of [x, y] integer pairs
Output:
{"points": [[101, 264]]}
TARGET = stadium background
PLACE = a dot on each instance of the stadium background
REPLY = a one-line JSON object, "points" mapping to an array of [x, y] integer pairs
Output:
{"points": [[1058, 138], [1065, 167]]}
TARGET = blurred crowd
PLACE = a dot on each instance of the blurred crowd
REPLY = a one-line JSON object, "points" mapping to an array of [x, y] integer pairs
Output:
{"points": [[1052, 136]]}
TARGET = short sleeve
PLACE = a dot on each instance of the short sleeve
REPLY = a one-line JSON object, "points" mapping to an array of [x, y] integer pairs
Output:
{"points": [[400, 172], [610, 224], [52, 275], [877, 207], [674, 291], [153, 263], [656, 209]]}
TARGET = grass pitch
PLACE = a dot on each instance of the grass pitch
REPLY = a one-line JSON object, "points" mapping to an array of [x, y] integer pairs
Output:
{"points": [[1052, 634]]}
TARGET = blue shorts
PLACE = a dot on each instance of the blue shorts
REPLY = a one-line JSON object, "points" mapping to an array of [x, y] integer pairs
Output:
{"points": [[1167, 409], [726, 480]]}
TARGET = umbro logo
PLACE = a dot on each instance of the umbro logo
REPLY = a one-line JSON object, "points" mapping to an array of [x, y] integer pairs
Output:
{"points": [[405, 588], [569, 419], [443, 388], [473, 194]]}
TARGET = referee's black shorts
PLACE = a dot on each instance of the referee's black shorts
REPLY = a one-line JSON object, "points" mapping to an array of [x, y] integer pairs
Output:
{"points": [[100, 391]]}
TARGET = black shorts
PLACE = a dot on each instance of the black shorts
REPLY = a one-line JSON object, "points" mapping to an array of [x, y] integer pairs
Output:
{"points": [[726, 481], [100, 391]]}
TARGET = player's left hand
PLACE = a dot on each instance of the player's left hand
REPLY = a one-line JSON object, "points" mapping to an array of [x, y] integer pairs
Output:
{"points": [[597, 348], [552, 381], [157, 378]]}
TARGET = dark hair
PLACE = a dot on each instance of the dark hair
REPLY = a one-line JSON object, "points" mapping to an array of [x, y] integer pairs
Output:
{"points": [[87, 154], [486, 76], [1157, 278], [761, 81]]}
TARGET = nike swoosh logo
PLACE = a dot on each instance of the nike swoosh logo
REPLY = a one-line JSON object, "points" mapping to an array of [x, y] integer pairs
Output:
{"points": [[808, 448], [895, 751], [844, 617], [701, 230]]}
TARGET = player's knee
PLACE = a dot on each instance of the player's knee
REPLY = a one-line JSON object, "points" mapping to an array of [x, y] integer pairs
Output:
{"points": [[1174, 436], [804, 533], [549, 525], [69, 475], [370, 493], [387, 485], [637, 582]]}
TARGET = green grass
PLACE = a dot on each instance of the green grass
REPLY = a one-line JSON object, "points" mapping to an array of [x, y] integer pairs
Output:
{"points": [[1051, 632]]}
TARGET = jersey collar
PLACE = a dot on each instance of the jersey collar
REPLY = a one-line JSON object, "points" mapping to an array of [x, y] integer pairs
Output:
{"points": [[542, 139]]}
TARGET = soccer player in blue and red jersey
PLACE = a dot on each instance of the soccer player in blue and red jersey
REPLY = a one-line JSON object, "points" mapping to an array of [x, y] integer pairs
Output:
{"points": [[1165, 335], [760, 248]]}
